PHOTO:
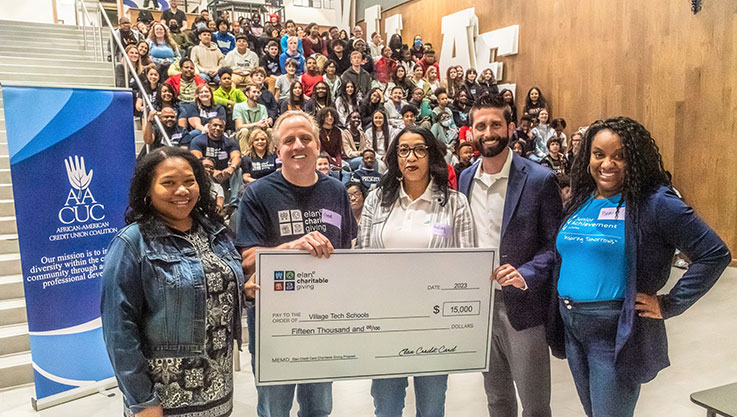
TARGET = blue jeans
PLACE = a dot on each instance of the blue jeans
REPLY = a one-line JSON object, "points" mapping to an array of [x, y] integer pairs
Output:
{"points": [[591, 332], [208, 79], [429, 395], [315, 400]]}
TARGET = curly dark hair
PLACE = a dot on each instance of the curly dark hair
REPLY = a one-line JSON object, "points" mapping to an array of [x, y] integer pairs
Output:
{"points": [[644, 170], [390, 181], [158, 104], [323, 114], [142, 212]]}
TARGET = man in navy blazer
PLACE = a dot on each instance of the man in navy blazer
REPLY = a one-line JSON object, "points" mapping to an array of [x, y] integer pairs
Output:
{"points": [[517, 208]]}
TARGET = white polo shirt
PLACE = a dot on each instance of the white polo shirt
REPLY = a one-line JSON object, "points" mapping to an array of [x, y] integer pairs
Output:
{"points": [[409, 223]]}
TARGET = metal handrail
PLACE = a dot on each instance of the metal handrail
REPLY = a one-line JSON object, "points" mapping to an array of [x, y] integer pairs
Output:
{"points": [[86, 18], [129, 66]]}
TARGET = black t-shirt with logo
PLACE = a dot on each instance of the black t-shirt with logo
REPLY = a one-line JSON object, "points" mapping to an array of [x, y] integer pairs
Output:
{"points": [[367, 177], [260, 167], [218, 150], [273, 211]]}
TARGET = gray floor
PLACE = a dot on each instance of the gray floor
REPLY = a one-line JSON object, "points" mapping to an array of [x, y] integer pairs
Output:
{"points": [[703, 353]]}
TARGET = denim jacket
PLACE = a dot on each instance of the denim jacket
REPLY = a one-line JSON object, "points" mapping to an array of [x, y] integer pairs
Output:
{"points": [[154, 302]]}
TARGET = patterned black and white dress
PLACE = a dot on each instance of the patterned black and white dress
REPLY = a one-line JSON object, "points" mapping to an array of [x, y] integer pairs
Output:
{"points": [[202, 386]]}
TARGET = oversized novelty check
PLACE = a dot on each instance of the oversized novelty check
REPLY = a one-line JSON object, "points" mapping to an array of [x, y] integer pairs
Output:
{"points": [[372, 314]]}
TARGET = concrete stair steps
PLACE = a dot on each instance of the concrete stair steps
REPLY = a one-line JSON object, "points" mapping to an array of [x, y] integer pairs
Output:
{"points": [[35, 53], [53, 40], [15, 369], [8, 244], [7, 225], [52, 27], [14, 339], [69, 62], [7, 207], [9, 265], [6, 191], [57, 31], [11, 286], [78, 79], [4, 176], [58, 50], [12, 311], [56, 70], [58, 83]]}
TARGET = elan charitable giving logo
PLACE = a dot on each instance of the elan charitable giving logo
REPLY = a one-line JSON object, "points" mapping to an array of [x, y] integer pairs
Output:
{"points": [[283, 280]]}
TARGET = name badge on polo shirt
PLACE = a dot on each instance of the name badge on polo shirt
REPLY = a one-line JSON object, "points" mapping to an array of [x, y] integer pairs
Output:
{"points": [[440, 229], [176, 136], [331, 217], [212, 114], [222, 155], [611, 213]]}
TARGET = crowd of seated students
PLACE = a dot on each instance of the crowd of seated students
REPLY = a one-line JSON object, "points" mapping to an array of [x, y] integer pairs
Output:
{"points": [[246, 74]]}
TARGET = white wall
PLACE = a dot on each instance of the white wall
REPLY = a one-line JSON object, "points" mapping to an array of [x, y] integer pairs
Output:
{"points": [[306, 15], [39, 11]]}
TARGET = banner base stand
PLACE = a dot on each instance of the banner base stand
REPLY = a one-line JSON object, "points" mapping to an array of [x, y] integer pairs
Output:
{"points": [[73, 394]]}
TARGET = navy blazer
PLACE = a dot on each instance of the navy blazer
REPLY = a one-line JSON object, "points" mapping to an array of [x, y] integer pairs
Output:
{"points": [[663, 222], [532, 214]]}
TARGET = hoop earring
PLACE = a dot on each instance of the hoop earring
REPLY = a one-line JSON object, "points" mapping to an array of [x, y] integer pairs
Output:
{"points": [[147, 200]]}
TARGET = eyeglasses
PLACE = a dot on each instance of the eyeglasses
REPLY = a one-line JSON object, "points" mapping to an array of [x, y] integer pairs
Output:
{"points": [[420, 151], [355, 194]]}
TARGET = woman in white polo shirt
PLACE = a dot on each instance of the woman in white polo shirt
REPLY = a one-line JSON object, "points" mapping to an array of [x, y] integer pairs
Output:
{"points": [[413, 207]]}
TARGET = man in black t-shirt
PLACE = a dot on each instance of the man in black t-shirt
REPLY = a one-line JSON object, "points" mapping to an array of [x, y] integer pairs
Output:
{"points": [[368, 174], [177, 134], [173, 12], [295, 208], [225, 152]]}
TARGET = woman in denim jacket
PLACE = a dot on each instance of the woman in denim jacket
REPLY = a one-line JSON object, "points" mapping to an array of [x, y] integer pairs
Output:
{"points": [[171, 293], [413, 207]]}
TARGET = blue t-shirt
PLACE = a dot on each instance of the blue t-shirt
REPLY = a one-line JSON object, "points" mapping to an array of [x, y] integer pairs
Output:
{"points": [[260, 167], [274, 211], [218, 150], [225, 42], [591, 246]]}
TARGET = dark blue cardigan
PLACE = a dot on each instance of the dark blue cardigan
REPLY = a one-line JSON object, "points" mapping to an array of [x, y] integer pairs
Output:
{"points": [[662, 224]]}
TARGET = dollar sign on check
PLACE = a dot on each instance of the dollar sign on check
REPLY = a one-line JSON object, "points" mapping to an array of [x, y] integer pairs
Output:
{"points": [[436, 309]]}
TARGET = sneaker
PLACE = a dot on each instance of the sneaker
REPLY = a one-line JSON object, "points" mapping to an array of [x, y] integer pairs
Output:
{"points": [[680, 263]]}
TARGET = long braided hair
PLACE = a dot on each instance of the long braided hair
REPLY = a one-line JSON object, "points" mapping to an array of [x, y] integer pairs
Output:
{"points": [[644, 170]]}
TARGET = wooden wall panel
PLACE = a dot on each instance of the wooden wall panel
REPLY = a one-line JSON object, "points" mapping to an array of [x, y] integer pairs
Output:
{"points": [[653, 60]]}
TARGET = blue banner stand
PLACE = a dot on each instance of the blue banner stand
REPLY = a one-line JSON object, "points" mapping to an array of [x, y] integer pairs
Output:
{"points": [[72, 154]]}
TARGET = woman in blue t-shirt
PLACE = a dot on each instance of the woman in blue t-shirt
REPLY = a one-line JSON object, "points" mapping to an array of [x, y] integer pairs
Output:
{"points": [[199, 113], [164, 51], [615, 249], [259, 159]]}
